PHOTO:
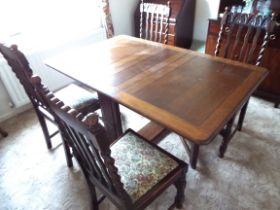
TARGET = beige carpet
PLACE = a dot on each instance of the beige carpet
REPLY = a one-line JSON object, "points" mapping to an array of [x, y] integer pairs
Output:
{"points": [[33, 178]]}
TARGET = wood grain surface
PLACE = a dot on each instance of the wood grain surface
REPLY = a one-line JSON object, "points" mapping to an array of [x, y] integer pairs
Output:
{"points": [[187, 92]]}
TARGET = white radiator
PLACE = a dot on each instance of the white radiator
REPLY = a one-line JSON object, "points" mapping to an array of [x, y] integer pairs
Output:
{"points": [[52, 79], [12, 85]]}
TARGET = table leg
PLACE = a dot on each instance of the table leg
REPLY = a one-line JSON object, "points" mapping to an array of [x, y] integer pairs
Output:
{"points": [[242, 116], [227, 135], [194, 155], [3, 133], [111, 116]]}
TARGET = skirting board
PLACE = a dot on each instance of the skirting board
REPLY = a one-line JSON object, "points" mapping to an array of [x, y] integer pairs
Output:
{"points": [[15, 112]]}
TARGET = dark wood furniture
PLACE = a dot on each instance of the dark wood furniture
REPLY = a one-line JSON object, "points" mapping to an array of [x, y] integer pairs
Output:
{"points": [[3, 133], [181, 21], [154, 26], [270, 87], [154, 21], [192, 94], [75, 96], [121, 170], [239, 35]]}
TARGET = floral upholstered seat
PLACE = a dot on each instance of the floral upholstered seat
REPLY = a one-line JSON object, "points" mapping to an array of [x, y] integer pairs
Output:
{"points": [[139, 164], [78, 98]]}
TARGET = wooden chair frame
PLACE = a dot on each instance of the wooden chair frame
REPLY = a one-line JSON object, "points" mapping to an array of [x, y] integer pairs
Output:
{"points": [[91, 147], [233, 26], [20, 67], [23, 72], [253, 26]]}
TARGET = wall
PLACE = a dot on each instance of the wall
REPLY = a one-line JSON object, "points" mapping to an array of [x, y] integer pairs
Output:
{"points": [[123, 16], [123, 11], [205, 9]]}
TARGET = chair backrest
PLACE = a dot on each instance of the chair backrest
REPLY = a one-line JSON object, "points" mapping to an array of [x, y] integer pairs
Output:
{"points": [[154, 21], [20, 66], [244, 37], [89, 142]]}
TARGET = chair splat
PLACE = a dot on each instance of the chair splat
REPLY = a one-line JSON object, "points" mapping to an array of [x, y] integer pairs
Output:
{"points": [[154, 21]]}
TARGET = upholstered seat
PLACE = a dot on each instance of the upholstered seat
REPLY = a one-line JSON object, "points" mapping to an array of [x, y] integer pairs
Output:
{"points": [[140, 165], [79, 98]]}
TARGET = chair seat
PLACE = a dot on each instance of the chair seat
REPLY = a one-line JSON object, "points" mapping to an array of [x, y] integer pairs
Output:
{"points": [[140, 165], [78, 98]]}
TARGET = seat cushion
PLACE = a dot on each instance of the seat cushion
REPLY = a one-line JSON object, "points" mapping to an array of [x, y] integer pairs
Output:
{"points": [[140, 165], [78, 98]]}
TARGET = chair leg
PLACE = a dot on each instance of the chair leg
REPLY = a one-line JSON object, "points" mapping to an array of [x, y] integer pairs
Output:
{"points": [[242, 116], [3, 133], [226, 137], [194, 155], [44, 127], [180, 185], [93, 197], [68, 153]]}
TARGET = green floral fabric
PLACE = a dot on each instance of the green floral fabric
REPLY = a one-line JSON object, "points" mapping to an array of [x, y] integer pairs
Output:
{"points": [[139, 164]]}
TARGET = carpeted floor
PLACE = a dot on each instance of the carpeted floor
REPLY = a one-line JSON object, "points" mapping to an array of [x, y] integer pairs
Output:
{"points": [[33, 178]]}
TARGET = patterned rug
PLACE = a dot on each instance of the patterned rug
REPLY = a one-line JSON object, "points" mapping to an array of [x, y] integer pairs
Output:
{"points": [[248, 177]]}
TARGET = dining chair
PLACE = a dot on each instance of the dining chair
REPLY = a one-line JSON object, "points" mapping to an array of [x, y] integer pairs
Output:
{"points": [[3, 133], [239, 37], [154, 21], [130, 171], [77, 97], [154, 26]]}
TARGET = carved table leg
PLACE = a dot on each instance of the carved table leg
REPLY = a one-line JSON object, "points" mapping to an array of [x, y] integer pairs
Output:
{"points": [[3, 133], [227, 135], [194, 155], [111, 116]]}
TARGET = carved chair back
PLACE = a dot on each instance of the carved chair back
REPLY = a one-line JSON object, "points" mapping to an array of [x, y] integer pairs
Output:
{"points": [[244, 37], [154, 21]]}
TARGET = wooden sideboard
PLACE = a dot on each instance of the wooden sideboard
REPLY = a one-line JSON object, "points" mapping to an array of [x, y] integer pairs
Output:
{"points": [[270, 87], [181, 21]]}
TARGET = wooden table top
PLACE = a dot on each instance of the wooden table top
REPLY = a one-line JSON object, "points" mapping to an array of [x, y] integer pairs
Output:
{"points": [[190, 93]]}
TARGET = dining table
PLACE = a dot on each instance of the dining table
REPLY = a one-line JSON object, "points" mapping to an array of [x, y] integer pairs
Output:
{"points": [[189, 93]]}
